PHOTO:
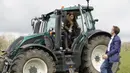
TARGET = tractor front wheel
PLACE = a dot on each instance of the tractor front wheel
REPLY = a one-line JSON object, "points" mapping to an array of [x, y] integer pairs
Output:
{"points": [[33, 61], [92, 55]]}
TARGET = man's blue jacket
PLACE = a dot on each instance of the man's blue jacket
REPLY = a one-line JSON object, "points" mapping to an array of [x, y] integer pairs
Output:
{"points": [[115, 46]]}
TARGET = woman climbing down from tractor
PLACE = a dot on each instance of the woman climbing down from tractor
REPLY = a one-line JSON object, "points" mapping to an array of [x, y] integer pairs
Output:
{"points": [[71, 29]]}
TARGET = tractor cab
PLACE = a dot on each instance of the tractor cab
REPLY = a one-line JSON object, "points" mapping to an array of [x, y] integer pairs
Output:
{"points": [[47, 21]]}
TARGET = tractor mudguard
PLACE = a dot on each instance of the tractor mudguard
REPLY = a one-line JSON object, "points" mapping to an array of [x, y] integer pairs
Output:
{"points": [[97, 32], [78, 49], [26, 47]]}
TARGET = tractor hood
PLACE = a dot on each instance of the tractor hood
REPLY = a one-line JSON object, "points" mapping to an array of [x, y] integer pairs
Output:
{"points": [[23, 40]]}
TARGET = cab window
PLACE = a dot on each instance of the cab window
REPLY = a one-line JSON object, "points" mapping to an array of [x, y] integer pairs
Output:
{"points": [[51, 22]]}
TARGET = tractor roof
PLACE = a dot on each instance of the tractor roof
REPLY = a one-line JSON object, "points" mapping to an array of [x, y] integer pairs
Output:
{"points": [[74, 8]]}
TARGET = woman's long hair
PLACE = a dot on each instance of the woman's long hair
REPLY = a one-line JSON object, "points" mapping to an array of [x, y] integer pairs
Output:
{"points": [[69, 21]]}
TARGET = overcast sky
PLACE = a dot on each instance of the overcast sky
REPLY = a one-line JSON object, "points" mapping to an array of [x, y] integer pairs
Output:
{"points": [[15, 15]]}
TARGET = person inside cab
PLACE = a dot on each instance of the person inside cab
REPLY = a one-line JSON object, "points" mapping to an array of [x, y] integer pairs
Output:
{"points": [[71, 29]]}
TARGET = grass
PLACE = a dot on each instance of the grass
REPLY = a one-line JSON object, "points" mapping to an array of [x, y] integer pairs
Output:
{"points": [[125, 62]]}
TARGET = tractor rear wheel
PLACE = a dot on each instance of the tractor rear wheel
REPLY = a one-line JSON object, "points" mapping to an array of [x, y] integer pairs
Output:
{"points": [[92, 56], [33, 61]]}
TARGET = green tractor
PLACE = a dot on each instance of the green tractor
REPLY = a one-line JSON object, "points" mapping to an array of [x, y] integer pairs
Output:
{"points": [[43, 52]]}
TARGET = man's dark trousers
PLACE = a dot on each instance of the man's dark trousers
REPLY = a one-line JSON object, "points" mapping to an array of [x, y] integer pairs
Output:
{"points": [[106, 67]]}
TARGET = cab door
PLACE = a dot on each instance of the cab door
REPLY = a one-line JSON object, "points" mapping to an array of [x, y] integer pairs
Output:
{"points": [[49, 31]]}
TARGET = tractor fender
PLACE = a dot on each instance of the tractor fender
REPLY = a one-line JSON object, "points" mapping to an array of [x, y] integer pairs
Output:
{"points": [[92, 34], [79, 48], [97, 32], [28, 46]]}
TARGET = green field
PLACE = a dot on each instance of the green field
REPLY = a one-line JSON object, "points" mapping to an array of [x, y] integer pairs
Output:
{"points": [[125, 62]]}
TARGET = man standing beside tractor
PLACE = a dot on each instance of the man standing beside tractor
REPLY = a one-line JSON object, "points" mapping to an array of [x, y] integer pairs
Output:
{"points": [[113, 50]]}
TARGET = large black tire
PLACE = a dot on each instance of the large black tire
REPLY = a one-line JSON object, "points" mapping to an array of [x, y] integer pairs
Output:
{"points": [[21, 60], [87, 57]]}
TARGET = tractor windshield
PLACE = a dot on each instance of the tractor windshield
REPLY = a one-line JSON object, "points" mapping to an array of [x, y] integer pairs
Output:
{"points": [[50, 25], [88, 20], [79, 21]]}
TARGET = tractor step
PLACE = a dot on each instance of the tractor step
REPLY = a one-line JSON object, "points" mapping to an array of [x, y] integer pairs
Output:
{"points": [[68, 60], [64, 62], [60, 63]]}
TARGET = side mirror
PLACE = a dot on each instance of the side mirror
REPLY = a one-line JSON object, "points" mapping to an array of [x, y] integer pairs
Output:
{"points": [[96, 20]]}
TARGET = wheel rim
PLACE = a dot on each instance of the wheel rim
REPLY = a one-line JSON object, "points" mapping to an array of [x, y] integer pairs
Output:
{"points": [[96, 56], [35, 65]]}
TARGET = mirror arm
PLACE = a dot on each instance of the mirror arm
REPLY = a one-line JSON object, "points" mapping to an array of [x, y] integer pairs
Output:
{"points": [[96, 20]]}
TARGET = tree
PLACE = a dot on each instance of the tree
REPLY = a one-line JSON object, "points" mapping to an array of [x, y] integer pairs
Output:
{"points": [[3, 43]]}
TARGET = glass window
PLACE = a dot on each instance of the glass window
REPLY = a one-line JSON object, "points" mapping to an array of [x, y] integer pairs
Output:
{"points": [[79, 21], [89, 20], [51, 22], [81, 25]]}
